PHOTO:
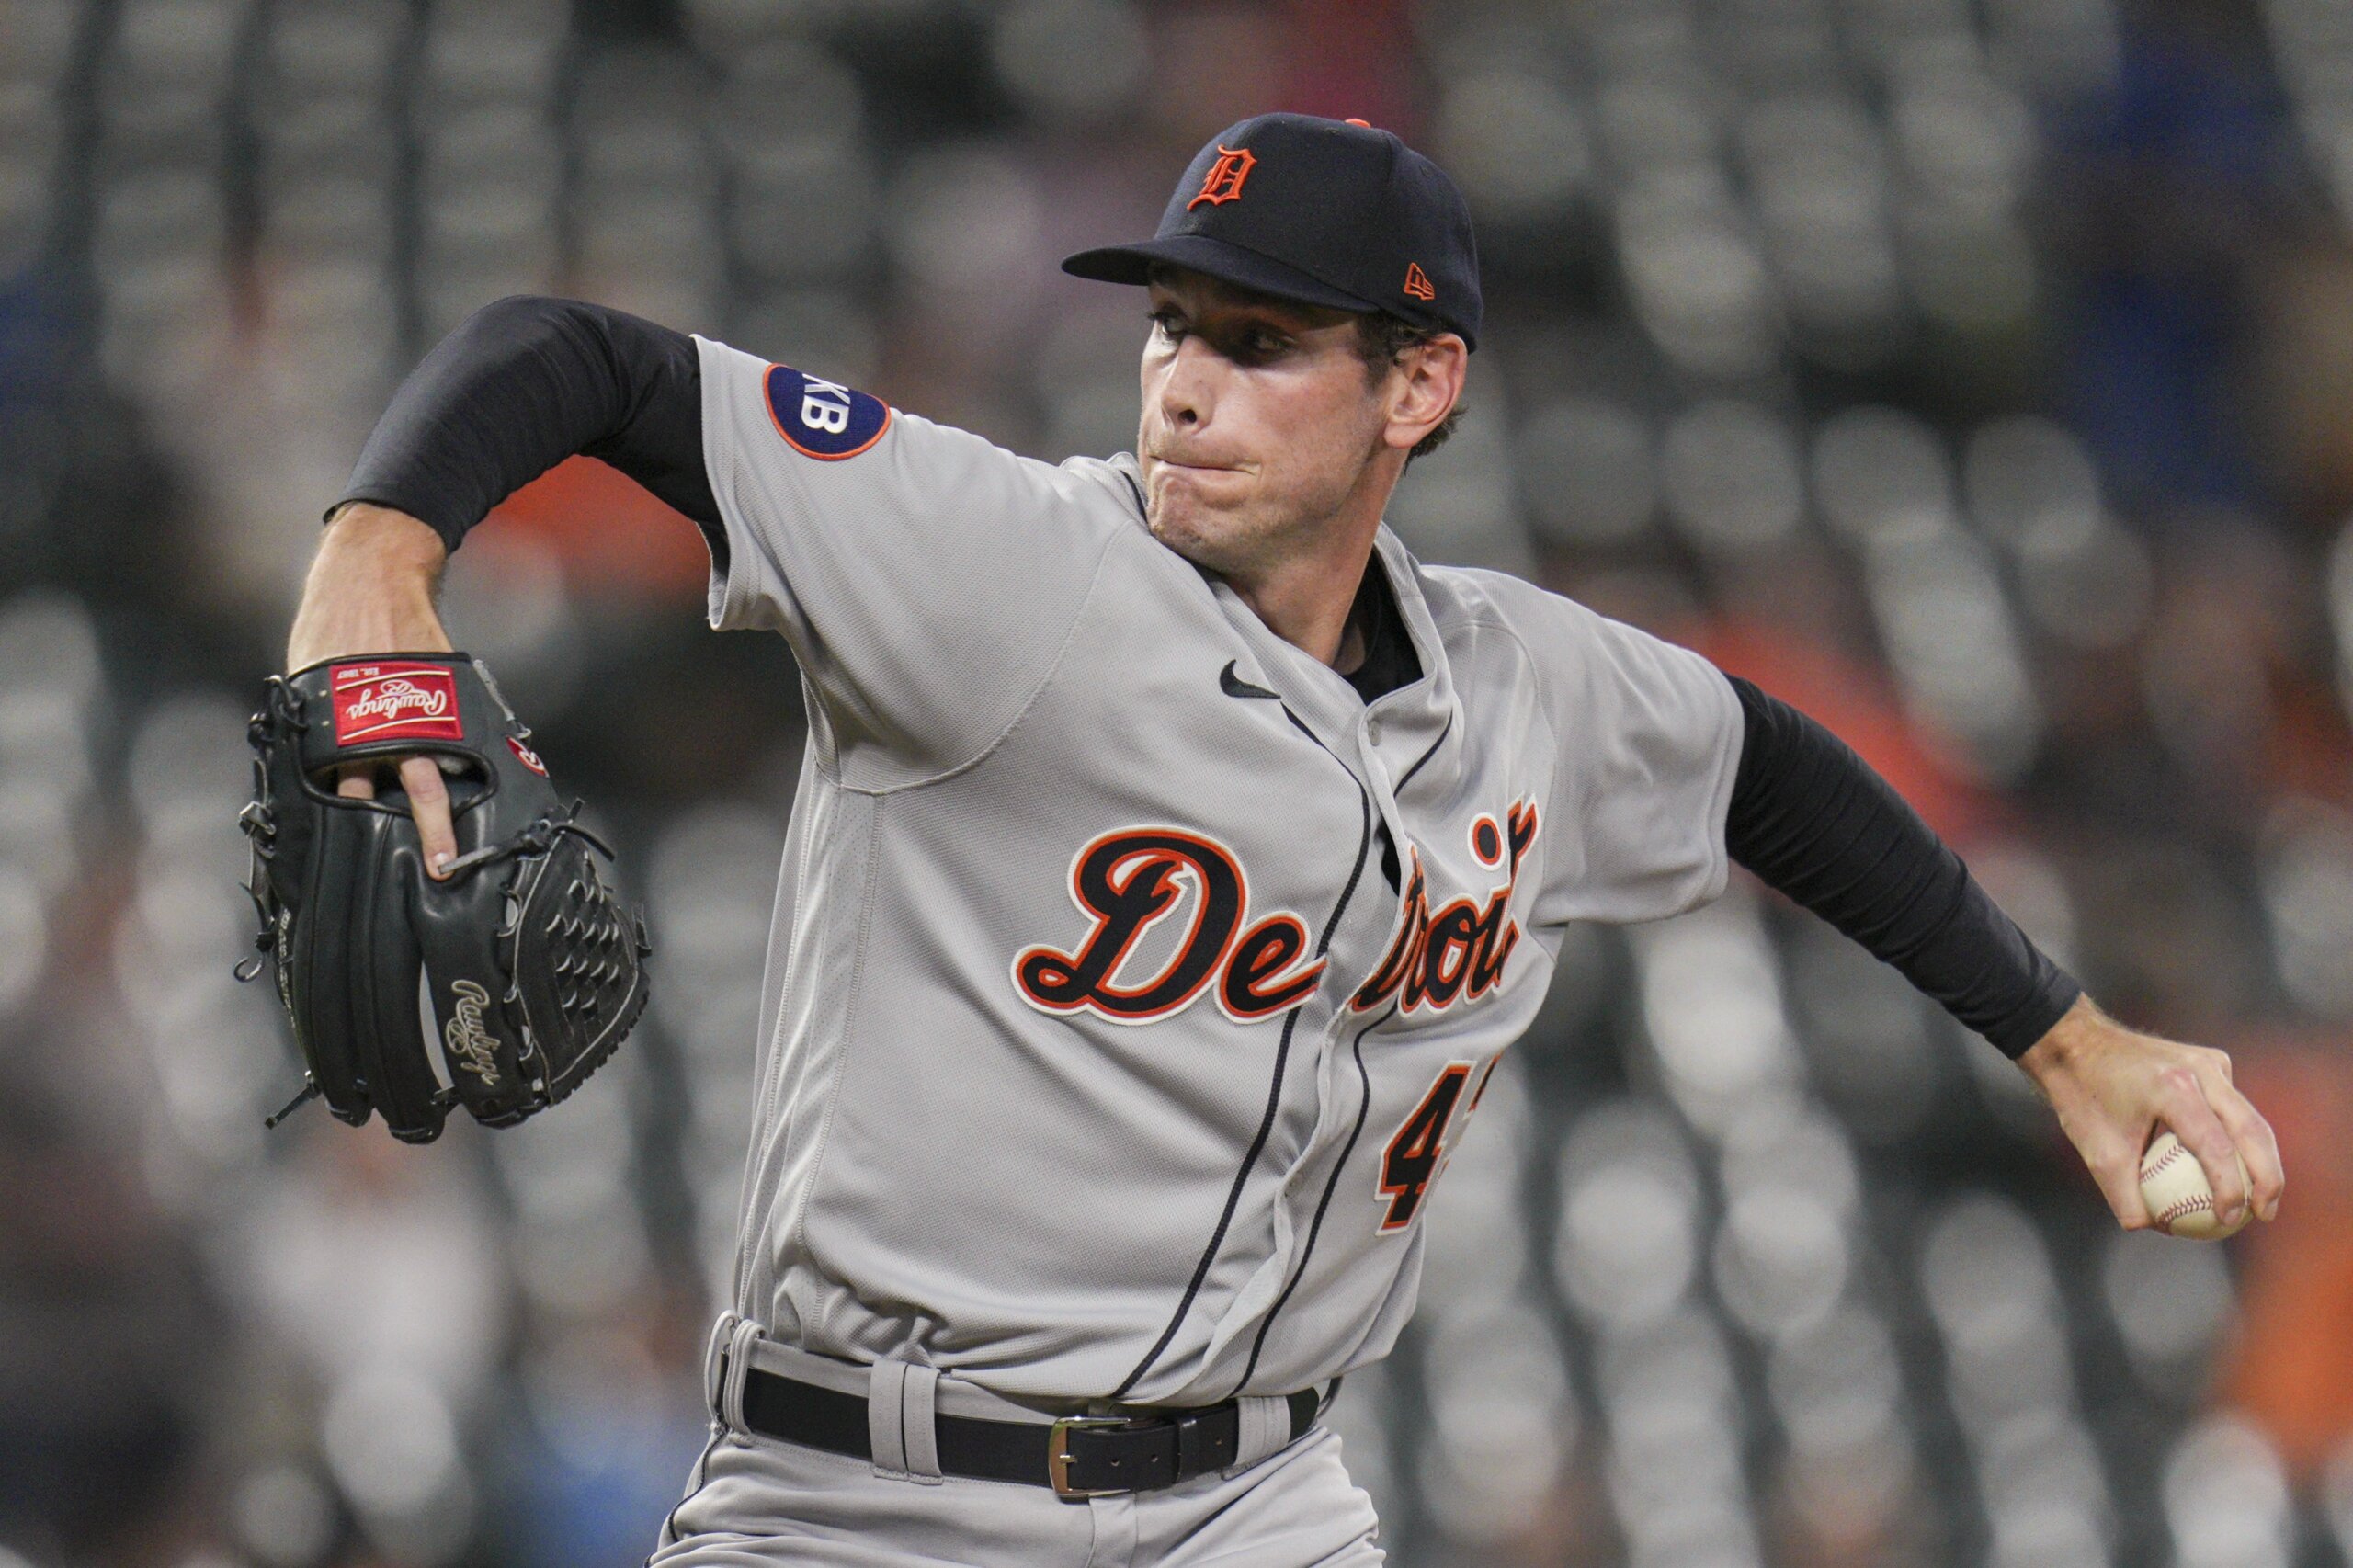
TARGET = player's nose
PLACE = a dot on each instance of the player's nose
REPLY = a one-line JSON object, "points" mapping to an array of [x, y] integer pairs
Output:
{"points": [[1188, 390]]}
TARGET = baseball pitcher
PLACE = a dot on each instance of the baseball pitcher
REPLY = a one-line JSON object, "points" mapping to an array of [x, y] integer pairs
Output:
{"points": [[1173, 856]]}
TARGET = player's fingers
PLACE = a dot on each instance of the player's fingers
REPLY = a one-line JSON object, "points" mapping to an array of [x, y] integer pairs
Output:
{"points": [[2115, 1164], [428, 802], [2259, 1147], [2183, 1106], [357, 782]]}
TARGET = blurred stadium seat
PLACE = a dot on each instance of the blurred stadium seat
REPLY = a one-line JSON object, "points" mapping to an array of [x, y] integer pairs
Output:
{"points": [[1977, 373]]}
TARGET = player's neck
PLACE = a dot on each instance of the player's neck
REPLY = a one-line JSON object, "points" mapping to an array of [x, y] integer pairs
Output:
{"points": [[1305, 598]]}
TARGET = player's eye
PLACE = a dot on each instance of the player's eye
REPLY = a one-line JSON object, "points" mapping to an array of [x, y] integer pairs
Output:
{"points": [[1167, 323], [1257, 344]]}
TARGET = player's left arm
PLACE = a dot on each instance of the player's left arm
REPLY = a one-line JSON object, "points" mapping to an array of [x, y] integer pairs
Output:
{"points": [[1811, 819]]}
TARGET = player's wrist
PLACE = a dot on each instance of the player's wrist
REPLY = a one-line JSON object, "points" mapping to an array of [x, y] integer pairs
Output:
{"points": [[371, 588], [2062, 1045], [387, 534]]}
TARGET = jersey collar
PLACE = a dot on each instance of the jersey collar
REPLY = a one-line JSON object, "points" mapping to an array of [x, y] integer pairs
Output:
{"points": [[1323, 698], [1413, 717]]}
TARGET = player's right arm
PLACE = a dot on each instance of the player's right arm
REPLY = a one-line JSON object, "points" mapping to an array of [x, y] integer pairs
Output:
{"points": [[1814, 821], [1679, 769]]}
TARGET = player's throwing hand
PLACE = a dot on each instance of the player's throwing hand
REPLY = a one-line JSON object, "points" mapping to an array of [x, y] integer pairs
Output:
{"points": [[2114, 1087]]}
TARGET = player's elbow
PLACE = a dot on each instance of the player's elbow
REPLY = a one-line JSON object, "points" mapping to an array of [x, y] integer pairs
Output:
{"points": [[520, 307], [516, 319]]}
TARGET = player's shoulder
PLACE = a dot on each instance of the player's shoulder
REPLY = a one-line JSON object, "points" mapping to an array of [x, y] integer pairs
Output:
{"points": [[1563, 642], [1469, 600], [811, 416]]}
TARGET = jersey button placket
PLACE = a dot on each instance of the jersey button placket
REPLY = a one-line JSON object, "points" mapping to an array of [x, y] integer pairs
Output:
{"points": [[1383, 788]]}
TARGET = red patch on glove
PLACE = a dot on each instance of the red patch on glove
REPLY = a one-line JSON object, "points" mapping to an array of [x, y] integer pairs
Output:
{"points": [[394, 702]]}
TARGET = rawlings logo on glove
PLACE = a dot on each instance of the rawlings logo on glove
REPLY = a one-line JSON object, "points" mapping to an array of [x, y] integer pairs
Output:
{"points": [[470, 1044], [394, 702]]}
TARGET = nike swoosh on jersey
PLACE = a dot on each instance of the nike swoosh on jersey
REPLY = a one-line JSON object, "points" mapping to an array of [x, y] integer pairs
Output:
{"points": [[1233, 685]]}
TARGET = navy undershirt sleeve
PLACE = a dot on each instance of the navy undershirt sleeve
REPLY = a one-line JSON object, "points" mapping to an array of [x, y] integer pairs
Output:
{"points": [[525, 383], [1813, 819]]}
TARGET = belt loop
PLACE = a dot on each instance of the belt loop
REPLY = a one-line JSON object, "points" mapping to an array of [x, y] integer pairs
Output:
{"points": [[714, 1359], [740, 1340], [1264, 1428], [886, 1417], [918, 1400], [900, 1425]]}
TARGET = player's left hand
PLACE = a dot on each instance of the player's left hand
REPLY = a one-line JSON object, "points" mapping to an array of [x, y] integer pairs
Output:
{"points": [[2112, 1087], [370, 591]]}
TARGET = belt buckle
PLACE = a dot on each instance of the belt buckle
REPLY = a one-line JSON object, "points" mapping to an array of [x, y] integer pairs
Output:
{"points": [[1058, 1455]]}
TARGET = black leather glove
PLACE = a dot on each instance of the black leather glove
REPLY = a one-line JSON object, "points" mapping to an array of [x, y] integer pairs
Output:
{"points": [[532, 971]]}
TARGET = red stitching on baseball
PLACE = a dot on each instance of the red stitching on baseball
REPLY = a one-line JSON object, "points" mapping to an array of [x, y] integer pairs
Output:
{"points": [[2186, 1207]]}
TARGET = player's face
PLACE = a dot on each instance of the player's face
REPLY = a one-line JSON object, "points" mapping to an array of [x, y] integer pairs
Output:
{"points": [[1258, 423]]}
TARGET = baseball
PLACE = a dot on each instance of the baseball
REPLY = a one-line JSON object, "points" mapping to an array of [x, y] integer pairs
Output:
{"points": [[2173, 1184]]}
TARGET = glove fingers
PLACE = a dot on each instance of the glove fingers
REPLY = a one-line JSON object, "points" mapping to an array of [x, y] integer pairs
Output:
{"points": [[320, 976], [392, 1032]]}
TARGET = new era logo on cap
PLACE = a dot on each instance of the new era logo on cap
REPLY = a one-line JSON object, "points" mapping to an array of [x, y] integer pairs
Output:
{"points": [[1418, 282]]}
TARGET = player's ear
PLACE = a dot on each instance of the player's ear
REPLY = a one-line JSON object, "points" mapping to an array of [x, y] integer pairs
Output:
{"points": [[1423, 387]]}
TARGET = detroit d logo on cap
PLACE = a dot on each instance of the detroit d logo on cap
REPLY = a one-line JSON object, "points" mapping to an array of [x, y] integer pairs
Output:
{"points": [[1223, 182]]}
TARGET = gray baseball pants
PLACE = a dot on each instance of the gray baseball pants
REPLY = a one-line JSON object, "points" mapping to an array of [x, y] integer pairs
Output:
{"points": [[754, 1502]]}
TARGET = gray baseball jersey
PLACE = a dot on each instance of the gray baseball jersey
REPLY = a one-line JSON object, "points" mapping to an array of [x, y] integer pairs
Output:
{"points": [[1131, 977]]}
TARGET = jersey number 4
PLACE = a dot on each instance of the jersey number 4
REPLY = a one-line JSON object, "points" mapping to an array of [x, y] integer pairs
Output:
{"points": [[1417, 1149]]}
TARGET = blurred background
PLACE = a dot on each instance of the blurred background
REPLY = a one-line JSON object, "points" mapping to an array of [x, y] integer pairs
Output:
{"points": [[1977, 374]]}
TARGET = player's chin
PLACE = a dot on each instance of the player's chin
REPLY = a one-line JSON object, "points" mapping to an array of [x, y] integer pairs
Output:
{"points": [[1191, 524], [1213, 538], [1179, 529]]}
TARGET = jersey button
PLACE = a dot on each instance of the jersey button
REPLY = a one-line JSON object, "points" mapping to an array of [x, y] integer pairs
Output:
{"points": [[1372, 730]]}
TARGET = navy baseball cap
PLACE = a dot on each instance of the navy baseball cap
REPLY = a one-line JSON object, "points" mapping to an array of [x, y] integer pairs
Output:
{"points": [[1325, 211]]}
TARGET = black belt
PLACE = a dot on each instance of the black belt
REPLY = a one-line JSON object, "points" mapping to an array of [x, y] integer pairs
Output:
{"points": [[1079, 1456]]}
